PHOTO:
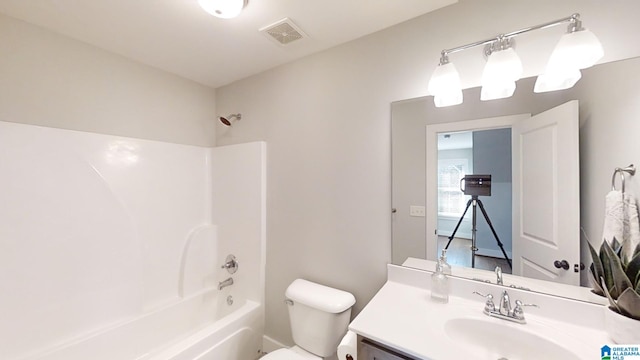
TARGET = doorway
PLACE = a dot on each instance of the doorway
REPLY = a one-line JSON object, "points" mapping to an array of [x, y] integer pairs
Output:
{"points": [[475, 152]]}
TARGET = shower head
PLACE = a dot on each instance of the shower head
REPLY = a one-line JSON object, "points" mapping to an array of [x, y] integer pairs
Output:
{"points": [[226, 121]]}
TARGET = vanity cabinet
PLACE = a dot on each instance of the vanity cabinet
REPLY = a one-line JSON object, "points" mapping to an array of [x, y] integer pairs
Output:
{"points": [[371, 350]]}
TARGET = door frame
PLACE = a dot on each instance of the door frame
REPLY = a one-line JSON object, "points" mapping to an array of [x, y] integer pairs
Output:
{"points": [[431, 151]]}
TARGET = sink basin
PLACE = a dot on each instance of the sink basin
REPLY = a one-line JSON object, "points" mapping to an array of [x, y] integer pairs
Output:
{"points": [[498, 341]]}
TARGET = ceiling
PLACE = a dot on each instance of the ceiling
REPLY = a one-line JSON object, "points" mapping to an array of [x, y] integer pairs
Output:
{"points": [[179, 37]]}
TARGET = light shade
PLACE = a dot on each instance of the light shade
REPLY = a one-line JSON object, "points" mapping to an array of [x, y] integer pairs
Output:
{"points": [[445, 86], [225, 9], [500, 74], [500, 90], [562, 80], [575, 50], [502, 66]]}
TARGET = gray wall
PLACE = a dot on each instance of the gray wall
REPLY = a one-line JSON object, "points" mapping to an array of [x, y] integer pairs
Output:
{"points": [[609, 128], [492, 155], [51, 80], [325, 119], [326, 122]]}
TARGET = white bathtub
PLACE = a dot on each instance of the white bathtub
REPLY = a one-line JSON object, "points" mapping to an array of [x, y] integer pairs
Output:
{"points": [[201, 327]]}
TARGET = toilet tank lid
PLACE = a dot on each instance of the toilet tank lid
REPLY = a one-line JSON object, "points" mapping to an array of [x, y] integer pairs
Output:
{"points": [[319, 296]]}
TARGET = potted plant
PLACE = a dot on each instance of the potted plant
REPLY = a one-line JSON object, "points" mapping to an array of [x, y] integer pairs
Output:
{"points": [[616, 275]]}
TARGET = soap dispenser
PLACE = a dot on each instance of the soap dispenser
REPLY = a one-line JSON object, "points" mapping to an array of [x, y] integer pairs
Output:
{"points": [[440, 285], [446, 268]]}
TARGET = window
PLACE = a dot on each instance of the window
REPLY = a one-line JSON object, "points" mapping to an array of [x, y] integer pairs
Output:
{"points": [[451, 201]]}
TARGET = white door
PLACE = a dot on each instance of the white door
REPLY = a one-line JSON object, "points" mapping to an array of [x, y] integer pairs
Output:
{"points": [[546, 196]]}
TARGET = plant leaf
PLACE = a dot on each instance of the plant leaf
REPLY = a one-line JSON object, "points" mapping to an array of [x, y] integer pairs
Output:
{"points": [[620, 278], [606, 266], [629, 304], [616, 246], [596, 287], [611, 301], [637, 250], [633, 269], [596, 265]]}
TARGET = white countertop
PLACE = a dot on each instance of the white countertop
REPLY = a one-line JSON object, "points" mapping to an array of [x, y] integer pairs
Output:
{"points": [[402, 316], [569, 291]]}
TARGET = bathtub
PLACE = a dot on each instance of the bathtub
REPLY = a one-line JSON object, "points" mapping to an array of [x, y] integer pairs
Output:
{"points": [[201, 327]]}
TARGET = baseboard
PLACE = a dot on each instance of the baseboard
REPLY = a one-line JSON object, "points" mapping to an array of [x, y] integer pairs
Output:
{"points": [[269, 344]]}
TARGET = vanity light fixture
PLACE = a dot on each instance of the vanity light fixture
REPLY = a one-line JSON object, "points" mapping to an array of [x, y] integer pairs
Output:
{"points": [[502, 70], [445, 84], [577, 49], [225, 9]]}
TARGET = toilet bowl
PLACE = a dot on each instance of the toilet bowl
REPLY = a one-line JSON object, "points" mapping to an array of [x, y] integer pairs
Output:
{"points": [[319, 316]]}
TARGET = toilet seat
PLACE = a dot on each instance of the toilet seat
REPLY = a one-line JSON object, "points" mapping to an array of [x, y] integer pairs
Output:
{"points": [[294, 353]]}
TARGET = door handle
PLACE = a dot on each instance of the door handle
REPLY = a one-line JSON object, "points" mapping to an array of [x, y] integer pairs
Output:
{"points": [[564, 264]]}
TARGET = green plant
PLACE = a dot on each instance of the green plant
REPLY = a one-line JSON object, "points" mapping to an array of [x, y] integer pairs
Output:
{"points": [[618, 279]]}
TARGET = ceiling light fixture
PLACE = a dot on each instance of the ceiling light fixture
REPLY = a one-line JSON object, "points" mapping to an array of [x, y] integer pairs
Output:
{"points": [[225, 9], [577, 49]]}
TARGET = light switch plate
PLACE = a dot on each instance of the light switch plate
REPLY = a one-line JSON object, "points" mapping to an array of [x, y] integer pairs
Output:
{"points": [[415, 210]]}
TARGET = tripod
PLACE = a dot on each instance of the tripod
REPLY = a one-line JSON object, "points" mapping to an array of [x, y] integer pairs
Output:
{"points": [[475, 201]]}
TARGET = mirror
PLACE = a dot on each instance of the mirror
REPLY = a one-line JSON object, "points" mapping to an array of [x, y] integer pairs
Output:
{"points": [[608, 113]]}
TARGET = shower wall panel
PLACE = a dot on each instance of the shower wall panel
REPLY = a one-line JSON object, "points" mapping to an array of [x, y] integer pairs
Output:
{"points": [[93, 229]]}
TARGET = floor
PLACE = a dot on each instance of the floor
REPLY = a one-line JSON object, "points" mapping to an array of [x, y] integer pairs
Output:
{"points": [[459, 254]]}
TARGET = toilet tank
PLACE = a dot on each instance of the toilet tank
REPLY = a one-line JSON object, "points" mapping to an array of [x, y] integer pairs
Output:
{"points": [[319, 316]]}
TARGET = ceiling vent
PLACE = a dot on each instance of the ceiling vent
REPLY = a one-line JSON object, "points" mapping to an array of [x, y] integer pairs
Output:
{"points": [[283, 32]]}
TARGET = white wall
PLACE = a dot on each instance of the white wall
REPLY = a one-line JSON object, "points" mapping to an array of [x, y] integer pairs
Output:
{"points": [[326, 120], [52, 80]]}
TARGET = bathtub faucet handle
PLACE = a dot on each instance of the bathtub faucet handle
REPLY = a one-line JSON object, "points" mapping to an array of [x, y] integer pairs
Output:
{"points": [[231, 264]]}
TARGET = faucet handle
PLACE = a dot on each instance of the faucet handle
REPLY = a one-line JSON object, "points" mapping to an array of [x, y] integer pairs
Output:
{"points": [[518, 312], [231, 264], [489, 306]]}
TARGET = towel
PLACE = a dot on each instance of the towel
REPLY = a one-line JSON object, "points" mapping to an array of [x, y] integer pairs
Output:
{"points": [[621, 221]]}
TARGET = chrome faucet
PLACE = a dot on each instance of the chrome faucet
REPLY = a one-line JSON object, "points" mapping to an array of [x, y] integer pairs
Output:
{"points": [[504, 311], [224, 284], [505, 304], [498, 271]]}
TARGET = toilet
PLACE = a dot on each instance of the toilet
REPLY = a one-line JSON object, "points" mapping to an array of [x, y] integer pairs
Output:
{"points": [[319, 316]]}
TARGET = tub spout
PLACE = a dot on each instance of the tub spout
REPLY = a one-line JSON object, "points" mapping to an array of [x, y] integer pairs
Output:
{"points": [[224, 284]]}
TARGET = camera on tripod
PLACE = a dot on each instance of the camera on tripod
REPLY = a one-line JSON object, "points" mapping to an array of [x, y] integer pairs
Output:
{"points": [[476, 185]]}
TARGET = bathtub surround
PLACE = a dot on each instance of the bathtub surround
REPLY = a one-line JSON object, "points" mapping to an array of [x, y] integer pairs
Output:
{"points": [[108, 238]]}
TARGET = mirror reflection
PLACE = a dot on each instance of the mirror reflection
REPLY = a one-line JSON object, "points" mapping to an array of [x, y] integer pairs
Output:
{"points": [[605, 94], [474, 211]]}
